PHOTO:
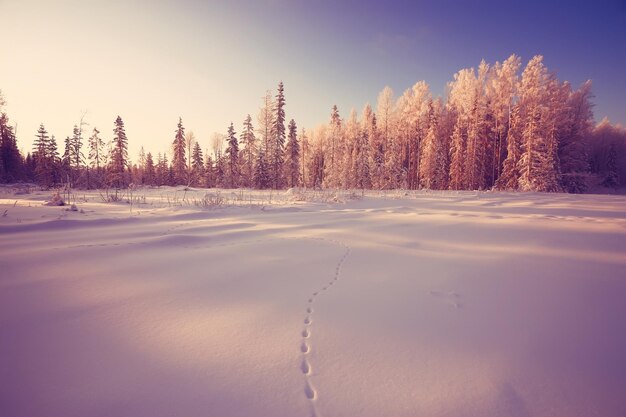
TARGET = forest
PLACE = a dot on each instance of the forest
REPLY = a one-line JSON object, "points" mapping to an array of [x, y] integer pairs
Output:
{"points": [[498, 127]]}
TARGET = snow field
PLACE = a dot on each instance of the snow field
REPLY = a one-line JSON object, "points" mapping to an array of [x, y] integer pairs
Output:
{"points": [[430, 304]]}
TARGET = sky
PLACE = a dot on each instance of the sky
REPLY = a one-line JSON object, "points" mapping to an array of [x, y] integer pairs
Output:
{"points": [[211, 62]]}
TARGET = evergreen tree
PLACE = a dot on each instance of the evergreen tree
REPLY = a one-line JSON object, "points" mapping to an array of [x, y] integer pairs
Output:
{"points": [[118, 161], [361, 156], [232, 152], [149, 172], [43, 155], [248, 142], [457, 153], [292, 160], [612, 179], [510, 170], [220, 170], [332, 175], [384, 118], [262, 178], [431, 155], [96, 150], [11, 164], [179, 160], [278, 140], [77, 159], [209, 172], [197, 165], [537, 164]]}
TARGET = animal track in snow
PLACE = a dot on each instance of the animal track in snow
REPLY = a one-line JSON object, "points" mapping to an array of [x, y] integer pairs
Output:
{"points": [[451, 298], [309, 391], [305, 367]]}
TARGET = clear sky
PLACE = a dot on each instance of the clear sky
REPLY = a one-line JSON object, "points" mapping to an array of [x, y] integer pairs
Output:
{"points": [[212, 61]]}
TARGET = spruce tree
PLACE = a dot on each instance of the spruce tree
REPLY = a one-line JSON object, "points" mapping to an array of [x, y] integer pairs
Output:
{"points": [[119, 155], [197, 165], [278, 140], [262, 178], [292, 161], [612, 179], [457, 158], [179, 161], [508, 180], [232, 152], [149, 173], [11, 165], [248, 142], [96, 150]]}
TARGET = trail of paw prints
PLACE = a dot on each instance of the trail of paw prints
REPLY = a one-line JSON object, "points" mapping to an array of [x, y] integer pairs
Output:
{"points": [[310, 392]]}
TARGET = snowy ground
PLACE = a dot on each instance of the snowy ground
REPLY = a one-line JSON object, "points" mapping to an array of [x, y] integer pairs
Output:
{"points": [[426, 304]]}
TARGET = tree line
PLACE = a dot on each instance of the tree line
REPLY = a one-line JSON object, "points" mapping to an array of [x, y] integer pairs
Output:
{"points": [[496, 129]]}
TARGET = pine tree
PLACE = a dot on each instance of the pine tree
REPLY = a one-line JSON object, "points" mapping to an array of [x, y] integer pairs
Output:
{"points": [[262, 178], [96, 150], [352, 134], [430, 156], [537, 164], [508, 180], [197, 165], [179, 160], [501, 92], [384, 118], [119, 156], [376, 154], [612, 179], [292, 160], [232, 152], [332, 175], [76, 144], [44, 157], [220, 170], [209, 172], [149, 170], [361, 156], [277, 149], [248, 142], [457, 158], [11, 164]]}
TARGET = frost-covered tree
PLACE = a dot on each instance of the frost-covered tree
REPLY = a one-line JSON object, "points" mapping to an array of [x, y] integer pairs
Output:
{"points": [[432, 177], [384, 118], [332, 175], [351, 134], [361, 151], [179, 160], [292, 157], [537, 163], [501, 92], [508, 180]]}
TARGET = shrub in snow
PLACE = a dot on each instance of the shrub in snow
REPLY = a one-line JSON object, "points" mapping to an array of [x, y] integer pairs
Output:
{"points": [[56, 200]]}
